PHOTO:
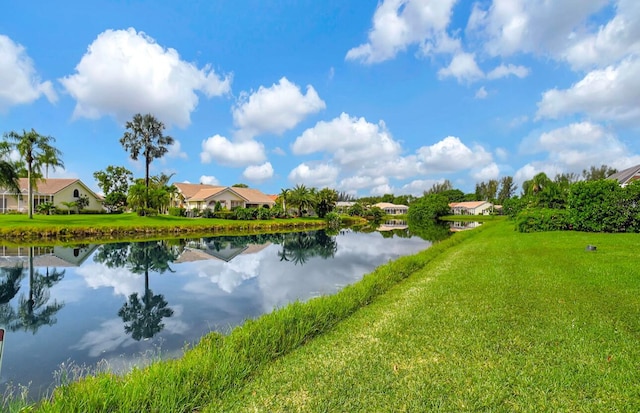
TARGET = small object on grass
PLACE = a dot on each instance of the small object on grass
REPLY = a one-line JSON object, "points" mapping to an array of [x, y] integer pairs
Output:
{"points": [[591, 248]]}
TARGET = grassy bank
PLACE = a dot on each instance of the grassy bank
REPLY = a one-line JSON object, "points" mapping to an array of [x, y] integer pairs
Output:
{"points": [[506, 322], [18, 228], [489, 320], [218, 365]]}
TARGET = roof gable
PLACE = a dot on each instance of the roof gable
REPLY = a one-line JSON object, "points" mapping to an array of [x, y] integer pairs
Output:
{"points": [[626, 175]]}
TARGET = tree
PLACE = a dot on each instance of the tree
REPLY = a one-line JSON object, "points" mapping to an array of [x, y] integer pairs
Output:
{"points": [[439, 187], [429, 207], [69, 205], [507, 189], [486, 191], [144, 136], [301, 197], [8, 172], [240, 185], [114, 182], [284, 195], [326, 200], [35, 150], [595, 173]]}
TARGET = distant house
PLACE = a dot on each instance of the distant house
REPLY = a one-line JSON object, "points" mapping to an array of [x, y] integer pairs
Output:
{"points": [[471, 208], [202, 196], [54, 190], [392, 209], [627, 176]]}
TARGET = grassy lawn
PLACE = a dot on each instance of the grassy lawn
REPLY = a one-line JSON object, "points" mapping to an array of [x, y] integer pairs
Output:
{"points": [[503, 322], [20, 227]]}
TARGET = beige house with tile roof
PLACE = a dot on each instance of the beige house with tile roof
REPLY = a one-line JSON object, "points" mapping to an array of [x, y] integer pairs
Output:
{"points": [[471, 208], [392, 209], [202, 196], [54, 190]]}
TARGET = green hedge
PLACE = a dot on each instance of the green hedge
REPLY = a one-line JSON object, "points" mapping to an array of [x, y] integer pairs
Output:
{"points": [[543, 219]]}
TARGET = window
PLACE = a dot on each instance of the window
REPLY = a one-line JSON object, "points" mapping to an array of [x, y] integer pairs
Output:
{"points": [[76, 193]]}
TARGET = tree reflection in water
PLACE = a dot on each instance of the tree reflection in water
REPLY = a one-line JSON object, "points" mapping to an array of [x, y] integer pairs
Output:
{"points": [[300, 247], [34, 310], [142, 315]]}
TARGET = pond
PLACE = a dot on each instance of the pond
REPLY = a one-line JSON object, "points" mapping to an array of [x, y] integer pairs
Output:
{"points": [[71, 309]]}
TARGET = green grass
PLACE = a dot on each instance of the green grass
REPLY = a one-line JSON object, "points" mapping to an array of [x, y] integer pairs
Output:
{"points": [[488, 320], [19, 228], [505, 322]]}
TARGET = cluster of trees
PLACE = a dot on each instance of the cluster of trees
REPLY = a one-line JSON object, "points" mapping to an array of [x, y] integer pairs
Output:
{"points": [[304, 200]]}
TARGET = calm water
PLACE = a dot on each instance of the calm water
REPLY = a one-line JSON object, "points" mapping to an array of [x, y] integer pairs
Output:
{"points": [[118, 303]]}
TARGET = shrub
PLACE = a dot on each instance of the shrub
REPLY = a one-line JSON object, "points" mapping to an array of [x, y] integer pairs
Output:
{"points": [[208, 213], [177, 211], [224, 214], [333, 219], [543, 219], [264, 214]]}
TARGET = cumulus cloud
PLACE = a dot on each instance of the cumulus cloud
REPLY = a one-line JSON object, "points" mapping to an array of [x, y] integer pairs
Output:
{"points": [[358, 182], [398, 24], [508, 70], [19, 82], [351, 141], [450, 155], [125, 72], [481, 93], [275, 109], [463, 67], [319, 175], [611, 93], [613, 41], [209, 180], [258, 173], [508, 27], [175, 150], [417, 187], [225, 152], [486, 173]]}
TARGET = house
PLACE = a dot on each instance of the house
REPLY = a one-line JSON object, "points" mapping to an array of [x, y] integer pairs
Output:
{"points": [[471, 208], [392, 209], [202, 196], [626, 176], [54, 190]]}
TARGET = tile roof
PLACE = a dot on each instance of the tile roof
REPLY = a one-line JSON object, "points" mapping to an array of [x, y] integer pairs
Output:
{"points": [[626, 175], [468, 204], [200, 192], [253, 195], [189, 190], [49, 186]]}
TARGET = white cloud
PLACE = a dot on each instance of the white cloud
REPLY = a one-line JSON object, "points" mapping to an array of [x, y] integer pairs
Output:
{"points": [[221, 150], [19, 82], [502, 154], [381, 190], [209, 180], [175, 150], [351, 141], [450, 155], [126, 72], [617, 39], [481, 93], [319, 175], [258, 173], [508, 27], [487, 172], [612, 93], [357, 182], [508, 70], [419, 186], [463, 67], [398, 24], [275, 109]]}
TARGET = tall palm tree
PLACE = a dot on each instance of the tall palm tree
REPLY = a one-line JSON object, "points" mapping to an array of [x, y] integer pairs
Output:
{"points": [[144, 136], [284, 194], [8, 173], [301, 197], [35, 150]]}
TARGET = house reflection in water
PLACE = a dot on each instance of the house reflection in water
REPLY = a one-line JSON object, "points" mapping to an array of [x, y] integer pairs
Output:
{"points": [[46, 256], [208, 249], [393, 224], [464, 225]]}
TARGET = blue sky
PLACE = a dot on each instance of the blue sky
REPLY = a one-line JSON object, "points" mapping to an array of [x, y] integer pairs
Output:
{"points": [[365, 97]]}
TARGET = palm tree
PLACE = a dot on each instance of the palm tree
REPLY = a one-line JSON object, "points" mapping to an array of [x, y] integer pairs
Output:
{"points": [[8, 172], [144, 137], [301, 197], [284, 194], [35, 150]]}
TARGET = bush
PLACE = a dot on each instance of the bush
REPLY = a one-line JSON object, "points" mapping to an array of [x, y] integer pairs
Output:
{"points": [[333, 219], [177, 211], [543, 219], [224, 214], [208, 213], [264, 214]]}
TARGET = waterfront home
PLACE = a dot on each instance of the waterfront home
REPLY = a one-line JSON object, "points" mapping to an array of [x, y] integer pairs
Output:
{"points": [[202, 196], [58, 191], [626, 176], [392, 209], [471, 208]]}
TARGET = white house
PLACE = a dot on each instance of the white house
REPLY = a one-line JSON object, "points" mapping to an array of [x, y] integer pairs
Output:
{"points": [[54, 190], [471, 208], [392, 209], [201, 196]]}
